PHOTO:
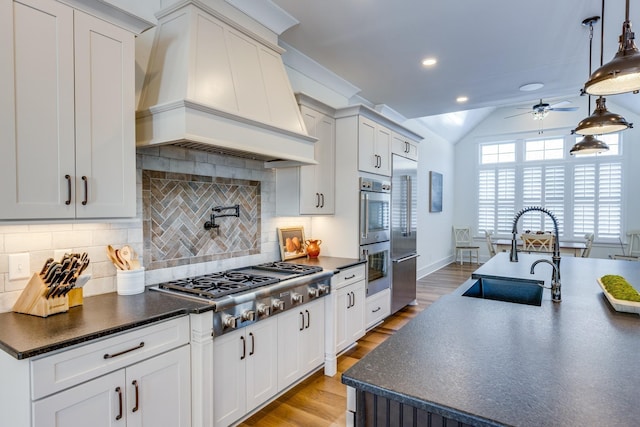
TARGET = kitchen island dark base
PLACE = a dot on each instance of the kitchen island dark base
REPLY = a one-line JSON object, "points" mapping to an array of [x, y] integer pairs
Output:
{"points": [[381, 411]]}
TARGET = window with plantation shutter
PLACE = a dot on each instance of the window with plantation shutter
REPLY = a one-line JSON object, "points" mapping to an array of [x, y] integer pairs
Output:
{"points": [[584, 193]]}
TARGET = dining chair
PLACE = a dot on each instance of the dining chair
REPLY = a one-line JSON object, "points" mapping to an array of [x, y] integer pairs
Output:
{"points": [[492, 249], [537, 242], [464, 242], [588, 242]]}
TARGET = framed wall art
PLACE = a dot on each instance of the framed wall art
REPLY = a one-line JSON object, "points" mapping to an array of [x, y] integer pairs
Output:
{"points": [[291, 242], [435, 191]]}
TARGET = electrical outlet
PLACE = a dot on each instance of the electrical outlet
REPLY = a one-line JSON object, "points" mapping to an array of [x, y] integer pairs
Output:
{"points": [[19, 266]]}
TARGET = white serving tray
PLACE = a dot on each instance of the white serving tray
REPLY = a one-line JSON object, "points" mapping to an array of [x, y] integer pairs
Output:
{"points": [[620, 305]]}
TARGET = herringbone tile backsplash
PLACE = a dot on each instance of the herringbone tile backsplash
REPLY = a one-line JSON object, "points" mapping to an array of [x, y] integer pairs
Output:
{"points": [[175, 208]]}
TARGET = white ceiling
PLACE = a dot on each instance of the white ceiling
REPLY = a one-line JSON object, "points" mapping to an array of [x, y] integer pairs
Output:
{"points": [[485, 49]]}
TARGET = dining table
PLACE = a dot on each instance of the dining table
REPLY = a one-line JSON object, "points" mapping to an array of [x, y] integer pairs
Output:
{"points": [[568, 248]]}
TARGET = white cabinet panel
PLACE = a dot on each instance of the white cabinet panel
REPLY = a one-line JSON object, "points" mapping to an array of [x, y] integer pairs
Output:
{"points": [[300, 342], [244, 370], [404, 147], [350, 315], [310, 190], [374, 147], [77, 122], [152, 393], [378, 307], [98, 403]]}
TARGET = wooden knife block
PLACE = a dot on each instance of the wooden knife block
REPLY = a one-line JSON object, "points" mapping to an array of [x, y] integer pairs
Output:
{"points": [[33, 300]]}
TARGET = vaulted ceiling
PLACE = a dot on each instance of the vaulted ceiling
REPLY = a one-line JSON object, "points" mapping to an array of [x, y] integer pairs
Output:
{"points": [[485, 50]]}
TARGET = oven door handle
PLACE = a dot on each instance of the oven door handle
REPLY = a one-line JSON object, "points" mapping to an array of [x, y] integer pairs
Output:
{"points": [[409, 213], [407, 258], [364, 220]]}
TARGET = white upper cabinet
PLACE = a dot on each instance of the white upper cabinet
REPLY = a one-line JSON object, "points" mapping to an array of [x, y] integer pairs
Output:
{"points": [[404, 146], [374, 147], [67, 121], [310, 190]]}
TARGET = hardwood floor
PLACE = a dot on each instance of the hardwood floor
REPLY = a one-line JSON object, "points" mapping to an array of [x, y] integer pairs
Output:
{"points": [[320, 401]]}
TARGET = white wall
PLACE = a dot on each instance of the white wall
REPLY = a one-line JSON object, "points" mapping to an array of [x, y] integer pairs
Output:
{"points": [[497, 128], [435, 241]]}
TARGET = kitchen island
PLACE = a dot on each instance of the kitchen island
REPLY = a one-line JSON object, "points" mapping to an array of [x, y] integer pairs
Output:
{"points": [[492, 363]]}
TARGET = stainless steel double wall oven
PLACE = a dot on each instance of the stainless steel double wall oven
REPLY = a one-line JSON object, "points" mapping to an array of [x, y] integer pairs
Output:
{"points": [[375, 232]]}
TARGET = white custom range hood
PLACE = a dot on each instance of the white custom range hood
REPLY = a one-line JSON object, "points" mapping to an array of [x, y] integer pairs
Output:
{"points": [[214, 85]]}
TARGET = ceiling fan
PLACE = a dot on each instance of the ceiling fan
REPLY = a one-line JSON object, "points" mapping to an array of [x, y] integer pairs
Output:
{"points": [[542, 109]]}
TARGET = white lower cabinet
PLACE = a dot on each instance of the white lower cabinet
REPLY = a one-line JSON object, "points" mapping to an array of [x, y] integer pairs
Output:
{"points": [[350, 315], [378, 307], [244, 370], [152, 393], [140, 378], [300, 342]]}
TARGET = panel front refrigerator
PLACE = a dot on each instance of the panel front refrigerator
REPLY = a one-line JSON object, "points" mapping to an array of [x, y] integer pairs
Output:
{"points": [[403, 232]]}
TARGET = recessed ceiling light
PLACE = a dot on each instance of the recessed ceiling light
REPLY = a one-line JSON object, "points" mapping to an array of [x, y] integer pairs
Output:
{"points": [[461, 99], [429, 62], [531, 87]]}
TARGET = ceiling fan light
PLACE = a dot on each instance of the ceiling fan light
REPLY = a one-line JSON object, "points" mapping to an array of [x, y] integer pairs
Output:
{"points": [[602, 121], [622, 73], [589, 145]]}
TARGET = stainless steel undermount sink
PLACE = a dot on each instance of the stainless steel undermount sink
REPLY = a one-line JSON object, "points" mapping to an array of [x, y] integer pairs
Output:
{"points": [[508, 290]]}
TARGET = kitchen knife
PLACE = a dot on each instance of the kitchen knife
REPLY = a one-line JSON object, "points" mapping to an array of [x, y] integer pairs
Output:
{"points": [[51, 272], [45, 267]]}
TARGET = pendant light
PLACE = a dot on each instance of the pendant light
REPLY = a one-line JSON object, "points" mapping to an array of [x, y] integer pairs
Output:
{"points": [[589, 144], [601, 121], [622, 73]]}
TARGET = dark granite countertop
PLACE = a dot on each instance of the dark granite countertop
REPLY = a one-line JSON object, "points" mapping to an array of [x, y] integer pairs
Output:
{"points": [[488, 362], [24, 336], [334, 264]]}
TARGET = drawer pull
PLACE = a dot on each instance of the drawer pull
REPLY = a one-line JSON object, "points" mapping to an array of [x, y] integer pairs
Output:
{"points": [[119, 391], [376, 310], [109, 356], [135, 385], [350, 277]]}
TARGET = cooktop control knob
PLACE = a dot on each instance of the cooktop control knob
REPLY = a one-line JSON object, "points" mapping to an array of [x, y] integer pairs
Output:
{"points": [[324, 289], [296, 297], [229, 321], [263, 309], [277, 304], [249, 315], [314, 292]]}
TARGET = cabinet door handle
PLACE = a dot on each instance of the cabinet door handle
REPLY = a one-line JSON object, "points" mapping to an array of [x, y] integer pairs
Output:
{"points": [[86, 190], [68, 178], [376, 310], [119, 391], [302, 323], [354, 299], [317, 200], [308, 319], [348, 300], [135, 385], [253, 343], [322, 197], [110, 356], [244, 348], [350, 277]]}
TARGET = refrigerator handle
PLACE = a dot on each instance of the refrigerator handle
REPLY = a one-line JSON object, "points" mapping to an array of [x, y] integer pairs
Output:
{"points": [[407, 258]]}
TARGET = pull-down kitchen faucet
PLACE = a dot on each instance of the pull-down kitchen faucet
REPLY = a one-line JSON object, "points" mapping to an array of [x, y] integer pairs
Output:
{"points": [[513, 257]]}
